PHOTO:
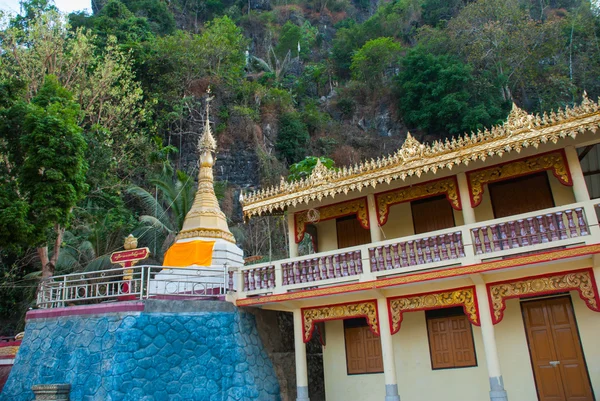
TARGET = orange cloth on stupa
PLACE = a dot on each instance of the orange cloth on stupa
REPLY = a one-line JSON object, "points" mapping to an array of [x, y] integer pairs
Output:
{"points": [[185, 254]]}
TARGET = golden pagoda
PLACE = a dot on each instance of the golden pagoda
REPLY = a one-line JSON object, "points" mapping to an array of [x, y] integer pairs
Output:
{"points": [[205, 239], [205, 219]]}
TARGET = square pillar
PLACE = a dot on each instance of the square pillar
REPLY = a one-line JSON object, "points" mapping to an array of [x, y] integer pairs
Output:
{"points": [[300, 356], [465, 199], [497, 392], [293, 246], [387, 352]]}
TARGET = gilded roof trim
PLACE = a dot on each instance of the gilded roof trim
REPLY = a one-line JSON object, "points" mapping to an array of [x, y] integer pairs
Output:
{"points": [[521, 130]]}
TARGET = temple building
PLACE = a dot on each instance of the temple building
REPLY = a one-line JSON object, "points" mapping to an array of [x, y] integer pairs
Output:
{"points": [[466, 269]]}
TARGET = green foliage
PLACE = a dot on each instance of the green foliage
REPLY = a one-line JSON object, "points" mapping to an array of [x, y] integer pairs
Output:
{"points": [[314, 119], [304, 168], [436, 95], [44, 164], [292, 137], [371, 61], [292, 36], [439, 12]]}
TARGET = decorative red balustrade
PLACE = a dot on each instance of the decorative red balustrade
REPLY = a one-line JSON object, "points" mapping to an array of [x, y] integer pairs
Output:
{"points": [[260, 278], [322, 268], [417, 252], [529, 231]]}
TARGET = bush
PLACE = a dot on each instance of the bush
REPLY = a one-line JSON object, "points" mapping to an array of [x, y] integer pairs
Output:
{"points": [[292, 138]]}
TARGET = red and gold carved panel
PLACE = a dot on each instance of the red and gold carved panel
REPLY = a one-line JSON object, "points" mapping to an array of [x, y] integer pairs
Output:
{"points": [[555, 161], [464, 297], [366, 309], [445, 186], [348, 208], [581, 281]]}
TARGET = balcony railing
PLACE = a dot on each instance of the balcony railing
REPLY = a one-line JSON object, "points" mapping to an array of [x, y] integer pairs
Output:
{"points": [[138, 282], [537, 231]]}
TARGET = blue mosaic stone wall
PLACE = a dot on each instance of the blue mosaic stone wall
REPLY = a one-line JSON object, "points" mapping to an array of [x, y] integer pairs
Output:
{"points": [[209, 356]]}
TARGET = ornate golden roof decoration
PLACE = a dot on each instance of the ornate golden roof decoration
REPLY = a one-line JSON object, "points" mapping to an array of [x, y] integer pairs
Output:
{"points": [[521, 130]]}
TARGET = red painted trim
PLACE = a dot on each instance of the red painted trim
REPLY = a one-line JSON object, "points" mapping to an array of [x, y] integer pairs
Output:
{"points": [[85, 310], [298, 240], [476, 323], [385, 217], [312, 323], [561, 151], [507, 263], [541, 293], [15, 343]]}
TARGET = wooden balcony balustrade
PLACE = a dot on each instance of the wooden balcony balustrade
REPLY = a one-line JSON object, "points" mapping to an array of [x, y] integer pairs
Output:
{"points": [[538, 231]]}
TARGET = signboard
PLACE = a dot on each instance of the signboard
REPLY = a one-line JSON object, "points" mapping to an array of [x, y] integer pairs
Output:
{"points": [[129, 257]]}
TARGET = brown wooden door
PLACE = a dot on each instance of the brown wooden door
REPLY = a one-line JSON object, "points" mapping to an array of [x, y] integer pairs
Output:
{"points": [[432, 214], [521, 195], [351, 233], [556, 355]]}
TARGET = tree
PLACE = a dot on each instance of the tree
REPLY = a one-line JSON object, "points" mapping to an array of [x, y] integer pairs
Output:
{"points": [[437, 95], [45, 165], [370, 62], [113, 114], [501, 38], [304, 168], [292, 137]]}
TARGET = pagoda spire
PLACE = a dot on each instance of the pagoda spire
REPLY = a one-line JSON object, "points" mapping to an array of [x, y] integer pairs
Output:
{"points": [[205, 219]]}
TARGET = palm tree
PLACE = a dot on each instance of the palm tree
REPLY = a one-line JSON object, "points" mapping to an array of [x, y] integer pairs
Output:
{"points": [[164, 210]]}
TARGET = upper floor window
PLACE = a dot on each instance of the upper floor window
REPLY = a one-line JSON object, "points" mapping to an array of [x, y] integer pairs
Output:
{"points": [[432, 214], [521, 195], [351, 233]]}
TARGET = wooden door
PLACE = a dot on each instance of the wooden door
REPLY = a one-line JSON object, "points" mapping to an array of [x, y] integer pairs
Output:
{"points": [[556, 355], [351, 233], [521, 195], [432, 214]]}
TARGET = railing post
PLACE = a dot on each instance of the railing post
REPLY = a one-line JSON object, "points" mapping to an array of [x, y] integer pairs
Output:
{"points": [[239, 279], [64, 289], [144, 288], [467, 242], [278, 278]]}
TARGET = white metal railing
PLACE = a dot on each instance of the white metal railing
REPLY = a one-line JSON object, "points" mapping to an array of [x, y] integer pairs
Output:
{"points": [[537, 231], [137, 282]]}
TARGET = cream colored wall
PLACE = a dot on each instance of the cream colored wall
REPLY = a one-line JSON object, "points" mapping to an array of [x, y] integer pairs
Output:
{"points": [[513, 352], [399, 222], [327, 235], [562, 194], [484, 210], [338, 385], [418, 382], [588, 323]]}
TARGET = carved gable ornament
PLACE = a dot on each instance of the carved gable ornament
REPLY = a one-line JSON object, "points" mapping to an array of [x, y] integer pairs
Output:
{"points": [[366, 309], [582, 281]]}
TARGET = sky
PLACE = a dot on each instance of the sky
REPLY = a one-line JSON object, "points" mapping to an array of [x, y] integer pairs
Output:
{"points": [[66, 6]]}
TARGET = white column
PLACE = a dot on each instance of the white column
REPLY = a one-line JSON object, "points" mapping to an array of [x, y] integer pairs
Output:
{"points": [[579, 187], [293, 246], [373, 220], [497, 392], [465, 199], [300, 355], [387, 351]]}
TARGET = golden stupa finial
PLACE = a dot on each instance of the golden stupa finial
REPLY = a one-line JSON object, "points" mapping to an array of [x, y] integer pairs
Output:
{"points": [[205, 218], [207, 140]]}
